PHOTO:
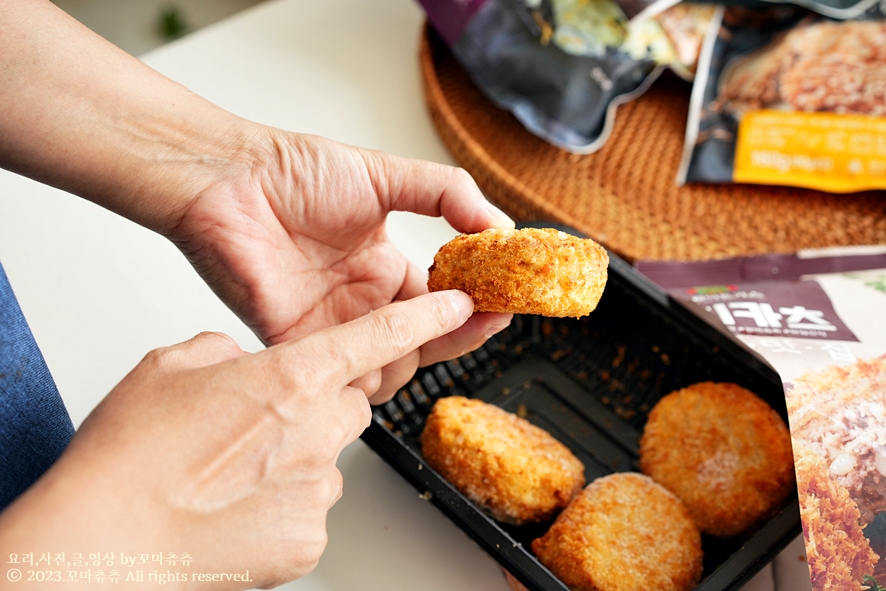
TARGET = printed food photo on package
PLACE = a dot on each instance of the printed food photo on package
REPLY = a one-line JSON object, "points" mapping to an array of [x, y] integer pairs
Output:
{"points": [[785, 96], [838, 418], [818, 318]]}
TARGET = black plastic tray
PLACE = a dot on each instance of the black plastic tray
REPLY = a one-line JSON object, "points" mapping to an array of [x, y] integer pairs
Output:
{"points": [[590, 383]]}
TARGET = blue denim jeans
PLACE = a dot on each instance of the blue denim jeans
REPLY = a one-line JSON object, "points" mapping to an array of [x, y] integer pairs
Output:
{"points": [[34, 424]]}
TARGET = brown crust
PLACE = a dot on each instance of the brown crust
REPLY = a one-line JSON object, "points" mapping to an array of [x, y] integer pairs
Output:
{"points": [[513, 469], [623, 531], [839, 555], [723, 451], [528, 271], [840, 413]]}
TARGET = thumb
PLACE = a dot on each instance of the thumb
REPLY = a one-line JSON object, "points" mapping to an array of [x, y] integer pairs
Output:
{"points": [[432, 189]]}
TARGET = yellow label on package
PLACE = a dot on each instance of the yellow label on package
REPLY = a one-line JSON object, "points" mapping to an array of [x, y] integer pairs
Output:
{"points": [[826, 151]]}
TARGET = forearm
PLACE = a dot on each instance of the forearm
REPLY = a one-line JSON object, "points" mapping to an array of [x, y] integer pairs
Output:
{"points": [[84, 116]]}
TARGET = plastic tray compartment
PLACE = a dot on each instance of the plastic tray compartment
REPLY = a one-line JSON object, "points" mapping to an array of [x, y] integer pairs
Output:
{"points": [[590, 383]]}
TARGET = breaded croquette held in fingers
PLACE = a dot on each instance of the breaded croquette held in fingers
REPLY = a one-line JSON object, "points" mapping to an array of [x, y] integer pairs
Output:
{"points": [[623, 531], [723, 451], [516, 471], [528, 271]]}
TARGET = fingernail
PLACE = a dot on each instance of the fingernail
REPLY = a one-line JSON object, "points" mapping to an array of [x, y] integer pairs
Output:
{"points": [[463, 303], [501, 219]]}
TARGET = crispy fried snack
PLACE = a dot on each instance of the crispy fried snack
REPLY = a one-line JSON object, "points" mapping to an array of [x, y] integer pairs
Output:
{"points": [[840, 413], [723, 451], [513, 469], [528, 271], [839, 554], [623, 531]]}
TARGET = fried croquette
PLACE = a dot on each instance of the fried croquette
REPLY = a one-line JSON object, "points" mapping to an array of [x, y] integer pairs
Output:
{"points": [[528, 271], [837, 550], [516, 471], [840, 413], [723, 451], [623, 531]]}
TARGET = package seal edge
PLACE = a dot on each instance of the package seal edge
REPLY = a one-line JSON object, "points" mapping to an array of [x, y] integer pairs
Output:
{"points": [[829, 11], [696, 99], [608, 120]]}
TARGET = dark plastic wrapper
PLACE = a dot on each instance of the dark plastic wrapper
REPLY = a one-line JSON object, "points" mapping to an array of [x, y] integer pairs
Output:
{"points": [[835, 9], [786, 96], [563, 66]]}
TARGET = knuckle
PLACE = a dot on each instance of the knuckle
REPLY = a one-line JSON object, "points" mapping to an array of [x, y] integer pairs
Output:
{"points": [[159, 358], [303, 369], [218, 339], [398, 331], [314, 549], [440, 312], [370, 382], [298, 379], [289, 375], [461, 177], [325, 446], [337, 486], [205, 347], [214, 347], [327, 452], [303, 554]]}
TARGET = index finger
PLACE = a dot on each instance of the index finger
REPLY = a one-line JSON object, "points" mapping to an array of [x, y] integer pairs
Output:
{"points": [[370, 342], [433, 189]]}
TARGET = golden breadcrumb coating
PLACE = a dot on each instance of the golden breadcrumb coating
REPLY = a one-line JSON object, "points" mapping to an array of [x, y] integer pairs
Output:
{"points": [[623, 531], [528, 271], [513, 469], [723, 451], [839, 554], [840, 413]]}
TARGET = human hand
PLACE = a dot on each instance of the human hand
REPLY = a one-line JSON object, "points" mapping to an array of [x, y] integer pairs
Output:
{"points": [[226, 455], [288, 229], [295, 242]]}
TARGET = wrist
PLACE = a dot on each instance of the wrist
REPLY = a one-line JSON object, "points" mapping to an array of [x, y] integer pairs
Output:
{"points": [[170, 166]]}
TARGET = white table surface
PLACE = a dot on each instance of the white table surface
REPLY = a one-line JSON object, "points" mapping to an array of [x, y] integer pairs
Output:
{"points": [[99, 291]]}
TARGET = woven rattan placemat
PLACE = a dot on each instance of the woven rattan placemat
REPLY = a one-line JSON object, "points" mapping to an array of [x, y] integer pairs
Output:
{"points": [[624, 195]]}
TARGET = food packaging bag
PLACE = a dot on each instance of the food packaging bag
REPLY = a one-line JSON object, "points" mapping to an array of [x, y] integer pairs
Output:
{"points": [[785, 96], [835, 9], [819, 319], [563, 66]]}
